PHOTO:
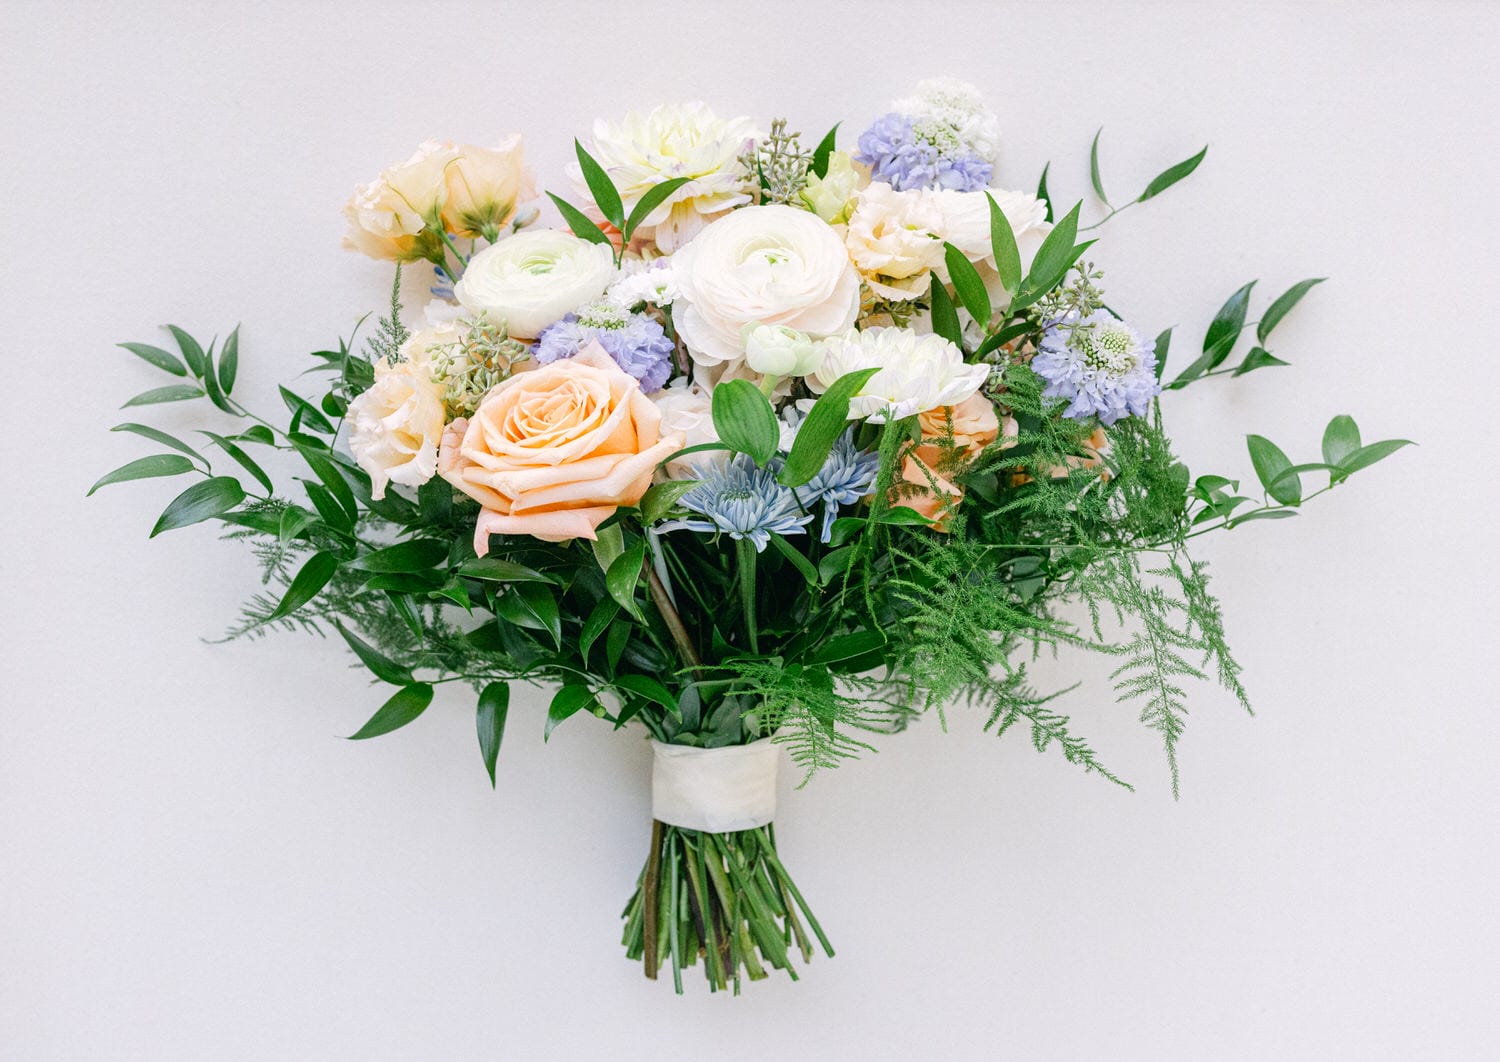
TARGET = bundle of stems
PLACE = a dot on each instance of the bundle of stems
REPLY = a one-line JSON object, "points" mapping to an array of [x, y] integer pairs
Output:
{"points": [[724, 898]]}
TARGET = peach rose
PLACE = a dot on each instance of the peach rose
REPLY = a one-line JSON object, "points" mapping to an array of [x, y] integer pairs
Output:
{"points": [[554, 452], [973, 426], [934, 496]]}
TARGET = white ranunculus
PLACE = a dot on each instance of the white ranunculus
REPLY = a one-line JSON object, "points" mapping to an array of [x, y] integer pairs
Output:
{"points": [[773, 265], [687, 409], [533, 278], [894, 240], [396, 425], [775, 350], [917, 372], [675, 140]]}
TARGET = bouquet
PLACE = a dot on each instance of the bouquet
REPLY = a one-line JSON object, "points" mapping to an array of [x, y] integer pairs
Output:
{"points": [[761, 448]]}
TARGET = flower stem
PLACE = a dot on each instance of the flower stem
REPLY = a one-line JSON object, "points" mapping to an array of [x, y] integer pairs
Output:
{"points": [[745, 556]]}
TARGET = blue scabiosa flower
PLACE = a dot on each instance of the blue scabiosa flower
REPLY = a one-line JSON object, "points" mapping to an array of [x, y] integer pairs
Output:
{"points": [[636, 342], [1100, 364], [907, 152], [742, 501], [844, 479]]}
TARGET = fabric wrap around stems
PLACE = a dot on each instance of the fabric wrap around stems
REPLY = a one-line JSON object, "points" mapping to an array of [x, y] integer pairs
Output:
{"points": [[715, 790]]}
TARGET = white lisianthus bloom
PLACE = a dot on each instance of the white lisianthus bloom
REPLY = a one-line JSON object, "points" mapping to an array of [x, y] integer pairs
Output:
{"points": [[774, 265], [687, 410], [396, 425], [533, 278], [894, 239], [675, 140], [831, 196], [966, 225], [917, 372], [484, 187], [775, 350], [385, 216]]}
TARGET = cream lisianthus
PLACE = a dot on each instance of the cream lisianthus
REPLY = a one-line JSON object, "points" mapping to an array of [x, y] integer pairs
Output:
{"points": [[533, 278], [831, 196], [484, 186], [916, 372], [894, 239], [773, 265], [675, 140], [397, 423], [386, 217]]}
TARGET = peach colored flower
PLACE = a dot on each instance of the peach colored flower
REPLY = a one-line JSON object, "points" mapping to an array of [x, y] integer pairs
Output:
{"points": [[965, 429], [972, 422], [928, 492], [554, 452], [484, 186]]}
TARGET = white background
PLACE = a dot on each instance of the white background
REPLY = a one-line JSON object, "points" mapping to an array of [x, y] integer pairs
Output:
{"points": [[194, 865]]}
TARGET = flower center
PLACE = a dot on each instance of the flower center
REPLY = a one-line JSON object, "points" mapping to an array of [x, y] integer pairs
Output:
{"points": [[1104, 349]]}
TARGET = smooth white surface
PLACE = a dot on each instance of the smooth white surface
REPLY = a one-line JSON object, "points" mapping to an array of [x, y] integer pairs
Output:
{"points": [[194, 865], [719, 790]]}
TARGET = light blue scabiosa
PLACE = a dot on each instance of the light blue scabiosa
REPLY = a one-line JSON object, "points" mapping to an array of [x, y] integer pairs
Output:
{"points": [[844, 479], [907, 152], [637, 343], [742, 501], [1100, 364]]}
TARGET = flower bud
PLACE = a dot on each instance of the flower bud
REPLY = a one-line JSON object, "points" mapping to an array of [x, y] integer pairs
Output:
{"points": [[776, 350]]}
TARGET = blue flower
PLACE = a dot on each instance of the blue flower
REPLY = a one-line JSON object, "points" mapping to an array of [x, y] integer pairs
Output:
{"points": [[844, 479], [1100, 364], [742, 501], [637, 343], [907, 152]]}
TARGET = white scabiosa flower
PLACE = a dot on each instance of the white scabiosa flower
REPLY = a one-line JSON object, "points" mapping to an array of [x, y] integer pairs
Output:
{"points": [[675, 140], [917, 372]]}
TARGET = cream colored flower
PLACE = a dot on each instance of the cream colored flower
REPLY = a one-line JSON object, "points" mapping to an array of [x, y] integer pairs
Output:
{"points": [[831, 196], [396, 424], [917, 372], [687, 410], [484, 187], [774, 265], [966, 225], [775, 350], [895, 240], [675, 140], [386, 216], [533, 278]]}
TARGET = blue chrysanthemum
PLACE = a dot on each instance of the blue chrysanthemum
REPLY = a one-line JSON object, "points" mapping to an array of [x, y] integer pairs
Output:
{"points": [[637, 343], [1100, 364], [742, 501], [844, 479], [907, 152]]}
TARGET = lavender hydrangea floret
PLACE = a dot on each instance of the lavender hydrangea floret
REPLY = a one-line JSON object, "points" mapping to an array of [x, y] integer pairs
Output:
{"points": [[903, 153], [637, 343]]}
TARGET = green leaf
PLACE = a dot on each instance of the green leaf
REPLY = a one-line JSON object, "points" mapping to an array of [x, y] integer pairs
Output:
{"points": [[294, 520], [825, 422], [744, 420], [405, 705], [1270, 463], [337, 485], [229, 360], [1094, 168], [1041, 190], [201, 501], [331, 511], [565, 703], [944, 316], [1003, 243], [418, 555], [582, 225], [1171, 175], [532, 605], [170, 393], [257, 433], [1258, 358], [606, 196], [968, 285], [608, 544], [380, 665], [498, 570], [1340, 439], [146, 468], [902, 515], [604, 612], [660, 497], [1366, 456], [824, 150], [1228, 322], [156, 435], [192, 352], [848, 647], [793, 554], [647, 687], [494, 706], [1283, 306], [1162, 345], [1262, 514], [307, 583], [308, 412], [1053, 260], [624, 576], [655, 196], [163, 360], [243, 458]]}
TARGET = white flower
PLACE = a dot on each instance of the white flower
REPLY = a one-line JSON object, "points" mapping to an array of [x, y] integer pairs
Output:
{"points": [[894, 239], [653, 283], [772, 265], [776, 350], [533, 278], [396, 425], [917, 372], [955, 108], [385, 216], [966, 224], [687, 409], [831, 196], [675, 140]]}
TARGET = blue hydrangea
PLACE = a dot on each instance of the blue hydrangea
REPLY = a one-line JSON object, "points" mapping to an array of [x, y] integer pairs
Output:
{"points": [[1100, 365], [637, 343], [907, 152], [742, 501], [844, 479]]}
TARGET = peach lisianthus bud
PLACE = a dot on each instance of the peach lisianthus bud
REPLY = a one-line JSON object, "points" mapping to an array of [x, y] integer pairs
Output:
{"points": [[386, 217], [485, 186]]}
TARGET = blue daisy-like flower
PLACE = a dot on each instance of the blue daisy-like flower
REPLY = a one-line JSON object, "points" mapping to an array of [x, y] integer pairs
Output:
{"points": [[844, 479], [1100, 365], [637, 343], [742, 501]]}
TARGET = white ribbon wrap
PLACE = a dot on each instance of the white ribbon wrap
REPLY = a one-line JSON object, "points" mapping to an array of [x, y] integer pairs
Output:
{"points": [[716, 790]]}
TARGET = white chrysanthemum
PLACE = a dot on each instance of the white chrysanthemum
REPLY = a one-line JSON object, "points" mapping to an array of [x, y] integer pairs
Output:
{"points": [[675, 140], [945, 107], [917, 372]]}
